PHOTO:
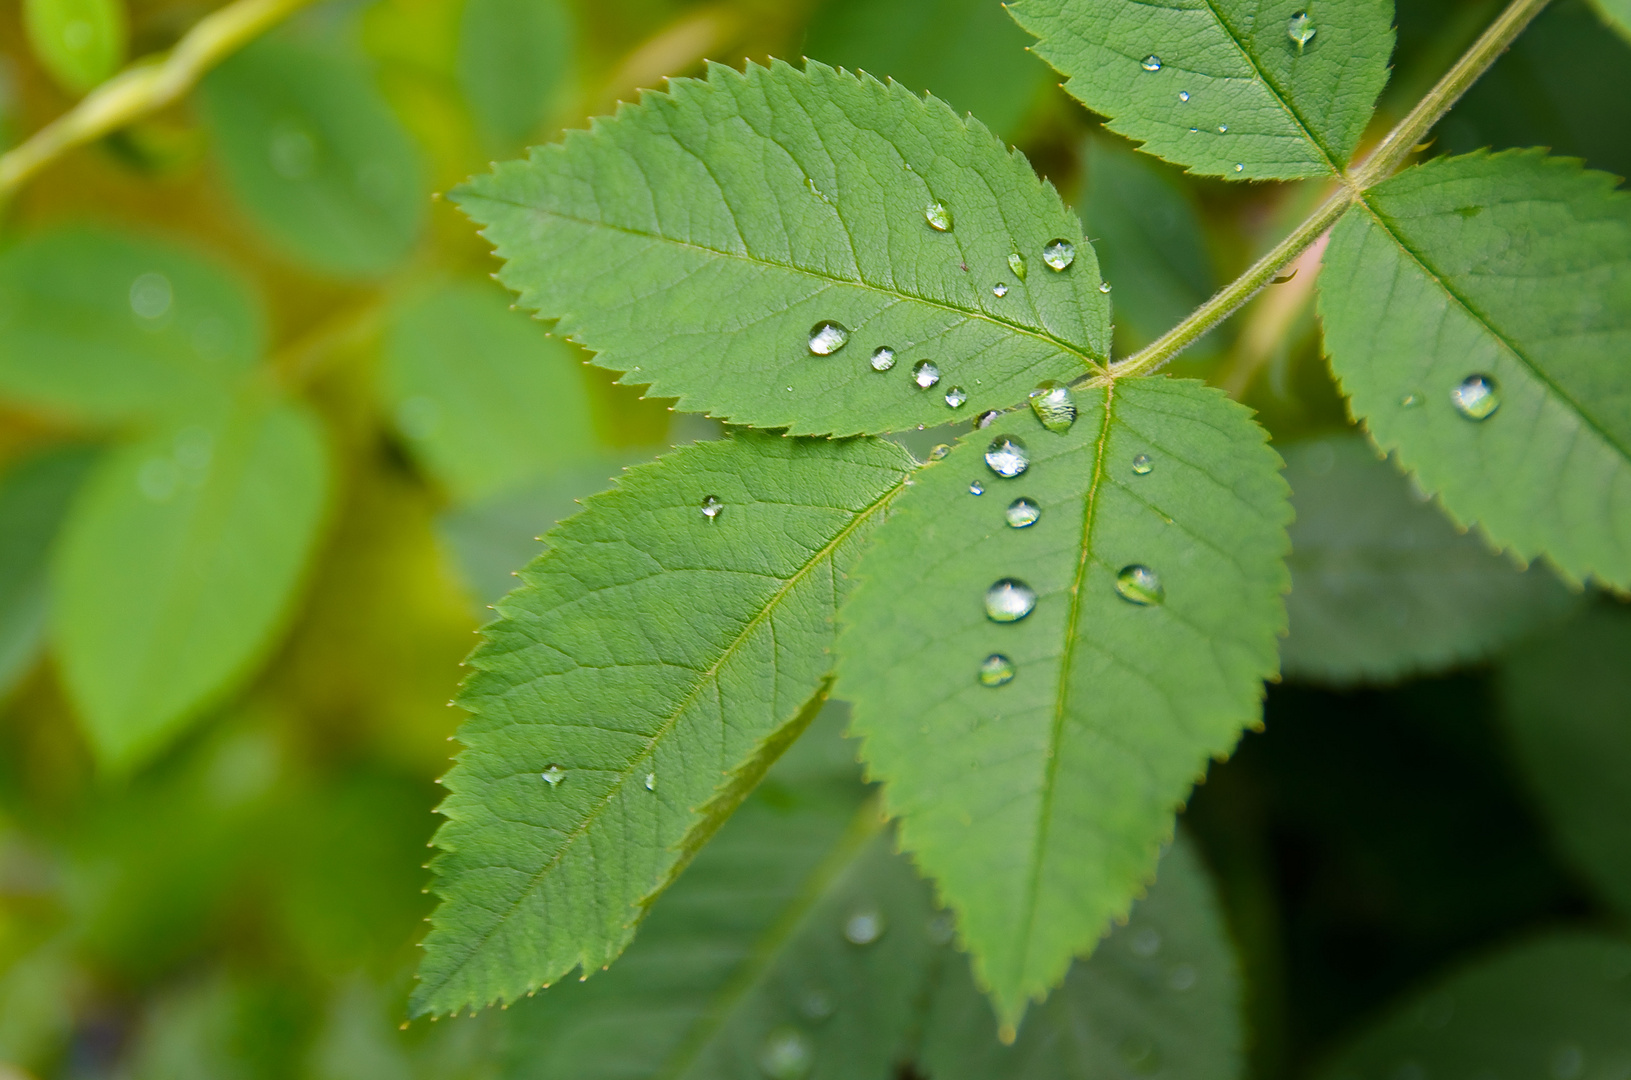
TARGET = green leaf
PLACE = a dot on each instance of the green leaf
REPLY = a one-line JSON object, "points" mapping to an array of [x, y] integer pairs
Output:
{"points": [[1161, 996], [1617, 13], [1563, 702], [1557, 1006], [695, 240], [1515, 267], [1383, 586], [1259, 107], [99, 325], [965, 52], [1038, 806], [177, 566], [513, 57], [486, 399], [78, 42], [652, 664], [313, 152], [34, 498]]}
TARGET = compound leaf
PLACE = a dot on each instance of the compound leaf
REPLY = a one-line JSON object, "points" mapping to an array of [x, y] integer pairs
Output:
{"points": [[695, 240], [1478, 312], [1039, 804], [1383, 586], [1222, 86], [653, 663]]}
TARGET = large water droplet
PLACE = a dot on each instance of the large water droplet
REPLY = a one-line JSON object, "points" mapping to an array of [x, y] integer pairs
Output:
{"points": [[925, 373], [1059, 254], [553, 775], [786, 1055], [1142, 465], [1009, 600], [712, 506], [996, 670], [863, 927], [1054, 405], [1140, 585], [1300, 30], [1151, 62], [1007, 456], [1000, 289], [1022, 513], [938, 216], [1476, 397], [956, 397], [976, 488], [827, 337], [985, 419], [883, 358], [1016, 263]]}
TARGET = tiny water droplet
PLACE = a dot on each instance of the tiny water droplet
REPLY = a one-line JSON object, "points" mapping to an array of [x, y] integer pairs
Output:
{"points": [[1240, 166], [1183, 95], [816, 1005], [651, 781], [1059, 254], [938, 217], [1054, 405], [1022, 513], [1476, 397], [786, 1055], [827, 337], [864, 927], [883, 358], [976, 488], [985, 419], [712, 506], [553, 775], [1000, 289], [1016, 263], [1007, 456], [941, 929], [1145, 943], [1223, 129], [151, 296], [1151, 63], [925, 373], [1568, 1062], [939, 451], [1142, 465], [1300, 30], [1009, 600], [1104, 286], [1140, 585], [1183, 978], [956, 397], [996, 670], [1410, 401]]}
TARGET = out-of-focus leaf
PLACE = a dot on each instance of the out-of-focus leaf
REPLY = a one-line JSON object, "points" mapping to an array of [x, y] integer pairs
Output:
{"points": [[359, 1040], [968, 53], [99, 325], [34, 498], [315, 155], [219, 1026], [1617, 13], [1564, 700], [513, 56], [178, 565], [1383, 585], [37, 995], [1558, 1006], [485, 398], [80, 42]]}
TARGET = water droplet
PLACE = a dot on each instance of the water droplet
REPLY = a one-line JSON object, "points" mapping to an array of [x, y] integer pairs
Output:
{"points": [[1142, 465], [938, 217], [864, 926], [827, 337], [1059, 254], [651, 781], [1054, 405], [1007, 456], [1104, 286], [786, 1055], [883, 358], [956, 397], [1022, 513], [292, 152], [1141, 1055], [1410, 401], [1223, 129], [816, 1005], [1568, 1062], [1183, 95], [1476, 397], [712, 506], [1145, 942], [925, 373], [976, 488], [553, 775], [1151, 63], [1016, 263], [1140, 585], [1000, 289], [1183, 978], [996, 670], [1009, 600], [151, 296], [941, 929], [939, 451], [1240, 166], [1300, 30], [985, 419]]}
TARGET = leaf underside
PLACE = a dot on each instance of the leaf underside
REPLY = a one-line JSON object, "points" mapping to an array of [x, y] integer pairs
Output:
{"points": [[1258, 107], [693, 241], [653, 663], [1515, 266], [1038, 806]]}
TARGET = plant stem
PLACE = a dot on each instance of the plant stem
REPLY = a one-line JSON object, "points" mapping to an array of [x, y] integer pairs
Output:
{"points": [[145, 87], [1382, 162]]}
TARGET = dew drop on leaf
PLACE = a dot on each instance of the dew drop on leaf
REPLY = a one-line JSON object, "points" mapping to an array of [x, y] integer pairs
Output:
{"points": [[827, 337], [1476, 397], [1009, 600], [985, 419], [786, 1055], [1240, 166], [883, 358], [1223, 129], [938, 217], [816, 1005], [1410, 401], [1183, 978], [863, 927], [1000, 289], [651, 781], [1016, 263], [941, 929], [151, 295], [1140, 585], [1142, 465], [1059, 254], [1183, 95], [939, 451], [1151, 63], [925, 373], [1145, 943], [1300, 30], [1054, 405], [956, 397], [1022, 513], [976, 488], [996, 670], [1007, 456], [1104, 286], [712, 506], [553, 775]]}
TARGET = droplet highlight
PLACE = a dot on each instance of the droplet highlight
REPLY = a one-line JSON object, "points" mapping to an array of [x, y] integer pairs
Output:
{"points": [[1150, 63], [1140, 585], [786, 1055], [1476, 397], [864, 927], [712, 507], [1007, 456], [956, 397], [925, 373], [938, 217], [883, 358], [1142, 465], [996, 670], [827, 337], [1054, 405], [1022, 513], [1009, 601], [1059, 254], [553, 775], [1016, 263], [1301, 30]]}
